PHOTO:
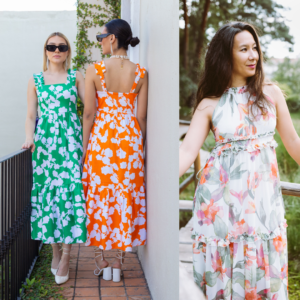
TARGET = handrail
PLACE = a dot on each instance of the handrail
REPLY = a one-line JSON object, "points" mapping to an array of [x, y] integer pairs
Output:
{"points": [[18, 252]]}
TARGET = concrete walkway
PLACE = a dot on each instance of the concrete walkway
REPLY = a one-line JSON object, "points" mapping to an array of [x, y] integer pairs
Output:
{"points": [[84, 285]]}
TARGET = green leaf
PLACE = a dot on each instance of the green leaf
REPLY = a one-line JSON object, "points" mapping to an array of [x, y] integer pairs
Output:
{"points": [[273, 223], [211, 278], [259, 274], [220, 228], [238, 277], [275, 284], [205, 192], [236, 296], [198, 277], [240, 264], [227, 290]]}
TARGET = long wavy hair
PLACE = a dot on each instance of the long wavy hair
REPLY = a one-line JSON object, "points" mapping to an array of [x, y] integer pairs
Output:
{"points": [[217, 72]]}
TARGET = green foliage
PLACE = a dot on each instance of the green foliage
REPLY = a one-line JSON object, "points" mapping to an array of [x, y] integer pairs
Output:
{"points": [[288, 76], [42, 284], [88, 16], [264, 14]]}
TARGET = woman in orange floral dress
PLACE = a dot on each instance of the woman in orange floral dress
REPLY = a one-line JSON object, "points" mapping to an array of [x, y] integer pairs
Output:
{"points": [[113, 174]]}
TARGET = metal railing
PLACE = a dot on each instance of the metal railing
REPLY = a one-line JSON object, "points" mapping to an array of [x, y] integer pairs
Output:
{"points": [[18, 252]]}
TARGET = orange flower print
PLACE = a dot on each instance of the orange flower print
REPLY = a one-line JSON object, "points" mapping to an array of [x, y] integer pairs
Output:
{"points": [[208, 212], [279, 243], [217, 265]]}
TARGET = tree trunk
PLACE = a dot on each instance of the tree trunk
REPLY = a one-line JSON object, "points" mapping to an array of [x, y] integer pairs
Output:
{"points": [[186, 35], [200, 41]]}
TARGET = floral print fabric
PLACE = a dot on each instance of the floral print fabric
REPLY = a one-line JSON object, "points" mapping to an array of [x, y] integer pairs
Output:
{"points": [[239, 229], [57, 199], [113, 174]]}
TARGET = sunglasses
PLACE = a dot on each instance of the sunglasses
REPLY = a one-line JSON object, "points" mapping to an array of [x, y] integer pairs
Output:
{"points": [[61, 48], [100, 37]]}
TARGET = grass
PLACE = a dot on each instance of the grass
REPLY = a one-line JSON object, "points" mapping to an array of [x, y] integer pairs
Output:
{"points": [[289, 171], [42, 284]]}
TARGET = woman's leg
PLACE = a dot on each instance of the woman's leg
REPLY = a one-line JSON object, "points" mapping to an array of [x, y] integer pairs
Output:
{"points": [[56, 255], [65, 260], [119, 259], [99, 259]]}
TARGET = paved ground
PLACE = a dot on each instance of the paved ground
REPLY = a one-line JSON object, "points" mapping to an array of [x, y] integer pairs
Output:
{"points": [[84, 285]]}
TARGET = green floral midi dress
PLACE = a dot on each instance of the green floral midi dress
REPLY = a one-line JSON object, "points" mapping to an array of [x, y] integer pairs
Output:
{"points": [[58, 206]]}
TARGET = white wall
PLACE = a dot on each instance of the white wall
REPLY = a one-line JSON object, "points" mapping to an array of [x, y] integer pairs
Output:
{"points": [[159, 53], [22, 36]]}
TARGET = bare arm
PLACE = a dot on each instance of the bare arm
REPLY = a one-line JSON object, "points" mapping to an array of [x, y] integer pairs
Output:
{"points": [[80, 85], [142, 101], [196, 135], [32, 103], [285, 125], [89, 106]]}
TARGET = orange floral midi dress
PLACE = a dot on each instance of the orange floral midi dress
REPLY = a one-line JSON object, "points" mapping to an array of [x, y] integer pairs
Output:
{"points": [[113, 172]]}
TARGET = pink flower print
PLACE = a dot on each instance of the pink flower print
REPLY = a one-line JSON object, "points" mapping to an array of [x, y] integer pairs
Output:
{"points": [[250, 293], [223, 176], [254, 183], [243, 110], [240, 196], [284, 271], [217, 265], [209, 212], [254, 153], [242, 90], [239, 228], [251, 208], [274, 170], [195, 249]]}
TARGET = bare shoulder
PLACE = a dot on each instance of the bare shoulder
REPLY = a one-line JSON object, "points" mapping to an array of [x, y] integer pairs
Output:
{"points": [[274, 92], [208, 105], [31, 83], [79, 75]]}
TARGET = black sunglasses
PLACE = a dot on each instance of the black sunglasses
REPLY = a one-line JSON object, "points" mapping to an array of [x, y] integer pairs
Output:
{"points": [[100, 37], [61, 48]]}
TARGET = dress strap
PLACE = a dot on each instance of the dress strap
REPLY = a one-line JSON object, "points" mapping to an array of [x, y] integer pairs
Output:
{"points": [[139, 73], [38, 80], [100, 70], [72, 76]]}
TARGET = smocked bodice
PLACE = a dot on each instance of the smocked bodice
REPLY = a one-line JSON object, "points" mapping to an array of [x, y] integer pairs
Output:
{"points": [[57, 99], [116, 103], [239, 126]]}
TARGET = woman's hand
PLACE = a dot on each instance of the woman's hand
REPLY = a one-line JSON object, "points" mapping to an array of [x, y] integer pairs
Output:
{"points": [[29, 144]]}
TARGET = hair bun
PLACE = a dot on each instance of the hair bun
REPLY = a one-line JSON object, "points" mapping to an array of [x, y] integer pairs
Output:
{"points": [[134, 41]]}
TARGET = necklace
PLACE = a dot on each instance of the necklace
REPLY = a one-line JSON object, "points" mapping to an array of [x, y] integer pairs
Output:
{"points": [[122, 58]]}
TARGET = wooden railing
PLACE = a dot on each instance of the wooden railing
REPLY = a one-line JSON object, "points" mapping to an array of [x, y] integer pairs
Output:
{"points": [[287, 188]]}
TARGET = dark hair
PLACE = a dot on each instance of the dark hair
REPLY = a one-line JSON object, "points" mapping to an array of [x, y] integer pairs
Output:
{"points": [[121, 29], [217, 72]]}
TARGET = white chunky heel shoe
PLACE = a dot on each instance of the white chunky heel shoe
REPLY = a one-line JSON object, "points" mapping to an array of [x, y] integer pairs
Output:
{"points": [[106, 271], [117, 273], [62, 279]]}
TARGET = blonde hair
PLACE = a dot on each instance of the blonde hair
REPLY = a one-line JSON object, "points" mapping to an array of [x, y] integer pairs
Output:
{"points": [[67, 61]]}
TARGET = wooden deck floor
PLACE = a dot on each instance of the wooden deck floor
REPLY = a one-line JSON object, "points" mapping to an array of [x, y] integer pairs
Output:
{"points": [[84, 285]]}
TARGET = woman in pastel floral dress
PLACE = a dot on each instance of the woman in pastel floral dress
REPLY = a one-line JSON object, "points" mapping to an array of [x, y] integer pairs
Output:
{"points": [[239, 229], [57, 199], [113, 173]]}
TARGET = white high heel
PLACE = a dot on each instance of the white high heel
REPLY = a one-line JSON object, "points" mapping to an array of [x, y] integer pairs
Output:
{"points": [[62, 279], [106, 271], [117, 273], [54, 271]]}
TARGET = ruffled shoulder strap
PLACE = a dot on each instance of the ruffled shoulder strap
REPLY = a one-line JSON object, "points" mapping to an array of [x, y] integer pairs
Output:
{"points": [[139, 73], [100, 70], [72, 76], [38, 80]]}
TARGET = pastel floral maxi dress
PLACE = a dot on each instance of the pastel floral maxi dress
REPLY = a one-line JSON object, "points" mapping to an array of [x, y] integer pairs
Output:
{"points": [[239, 229], [57, 199], [113, 174]]}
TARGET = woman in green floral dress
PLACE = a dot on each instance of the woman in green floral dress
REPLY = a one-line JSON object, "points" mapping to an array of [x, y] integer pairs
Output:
{"points": [[58, 204]]}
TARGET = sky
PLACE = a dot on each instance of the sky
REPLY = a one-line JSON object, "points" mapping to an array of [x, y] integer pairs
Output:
{"points": [[276, 49], [37, 5]]}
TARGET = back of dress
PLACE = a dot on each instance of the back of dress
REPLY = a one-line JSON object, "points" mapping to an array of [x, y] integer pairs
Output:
{"points": [[113, 174], [239, 224]]}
